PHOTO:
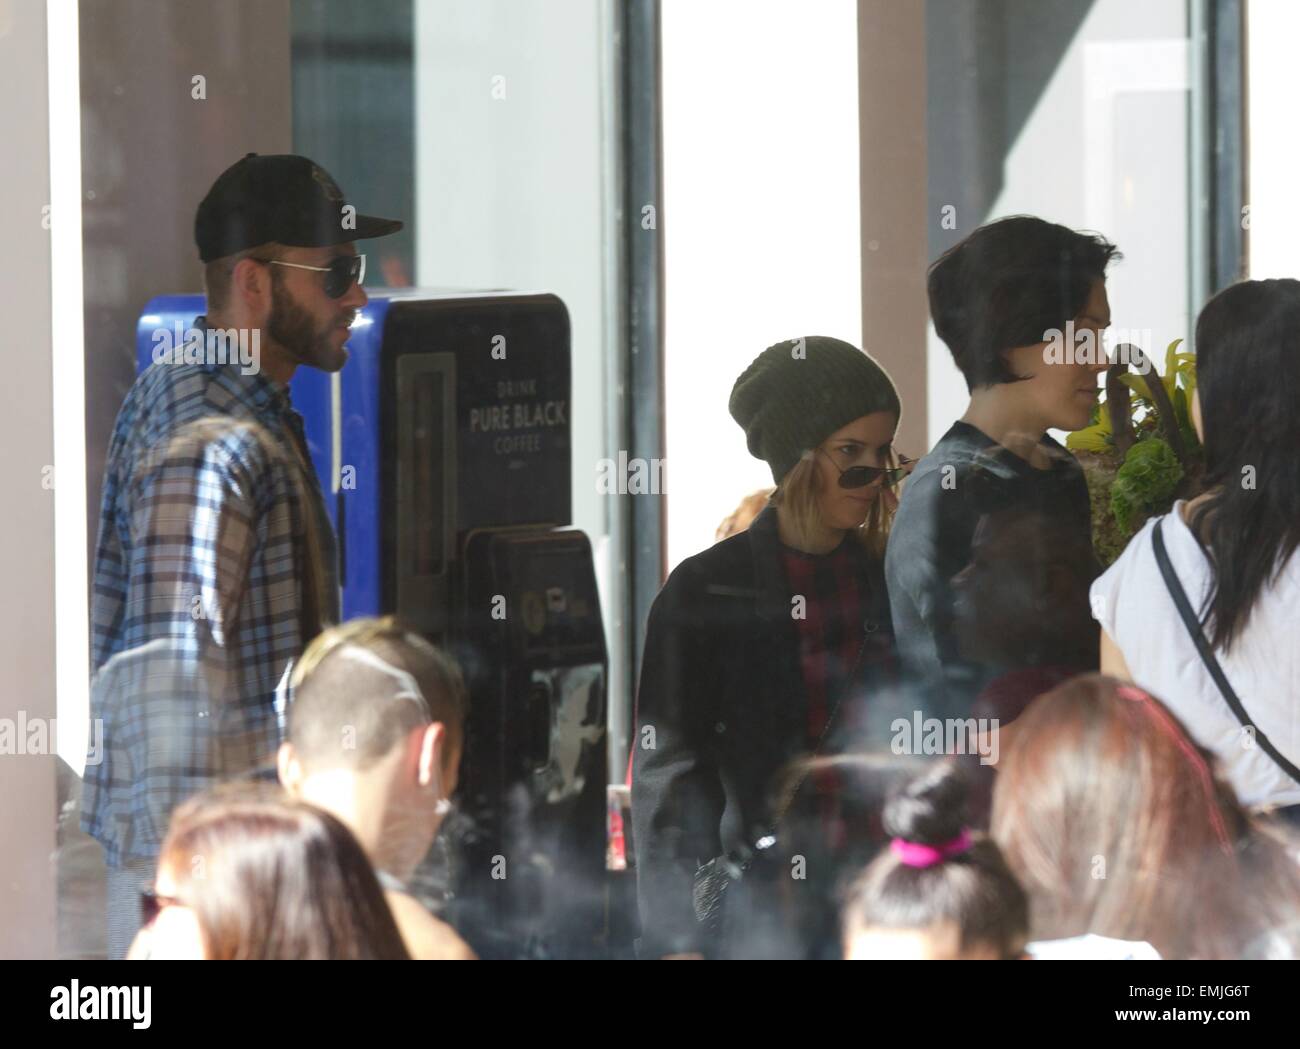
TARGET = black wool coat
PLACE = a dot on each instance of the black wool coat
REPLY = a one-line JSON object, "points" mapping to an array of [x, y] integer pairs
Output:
{"points": [[721, 711]]}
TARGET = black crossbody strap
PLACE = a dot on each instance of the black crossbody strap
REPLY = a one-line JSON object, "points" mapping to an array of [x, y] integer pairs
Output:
{"points": [[1199, 639]]}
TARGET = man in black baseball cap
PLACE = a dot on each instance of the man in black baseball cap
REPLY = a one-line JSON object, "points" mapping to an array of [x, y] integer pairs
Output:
{"points": [[216, 563], [286, 199], [288, 220]]}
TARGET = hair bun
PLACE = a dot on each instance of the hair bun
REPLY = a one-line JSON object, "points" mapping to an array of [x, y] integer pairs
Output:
{"points": [[930, 809]]}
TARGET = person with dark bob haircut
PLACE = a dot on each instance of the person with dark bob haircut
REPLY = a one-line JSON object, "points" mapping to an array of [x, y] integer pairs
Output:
{"points": [[1005, 300]]}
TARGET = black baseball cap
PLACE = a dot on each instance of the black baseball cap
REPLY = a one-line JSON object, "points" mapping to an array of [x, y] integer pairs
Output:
{"points": [[283, 198]]}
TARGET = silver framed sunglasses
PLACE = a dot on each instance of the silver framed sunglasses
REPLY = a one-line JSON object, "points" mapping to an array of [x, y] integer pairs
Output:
{"points": [[343, 270]]}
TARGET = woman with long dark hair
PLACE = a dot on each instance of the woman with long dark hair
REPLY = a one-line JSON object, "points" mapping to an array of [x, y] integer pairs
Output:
{"points": [[248, 875], [1117, 824], [754, 646], [1228, 664]]}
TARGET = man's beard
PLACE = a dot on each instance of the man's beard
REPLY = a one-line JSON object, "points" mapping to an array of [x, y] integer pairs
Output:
{"points": [[292, 327]]}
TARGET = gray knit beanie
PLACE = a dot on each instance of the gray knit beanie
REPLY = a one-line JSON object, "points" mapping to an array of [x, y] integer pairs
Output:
{"points": [[797, 393]]}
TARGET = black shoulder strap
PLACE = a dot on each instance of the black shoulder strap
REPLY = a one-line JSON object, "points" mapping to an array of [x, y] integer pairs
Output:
{"points": [[1199, 639]]}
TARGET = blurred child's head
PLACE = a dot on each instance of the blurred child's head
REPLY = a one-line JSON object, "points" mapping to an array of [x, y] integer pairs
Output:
{"points": [[375, 735], [939, 891], [248, 873], [1118, 824]]}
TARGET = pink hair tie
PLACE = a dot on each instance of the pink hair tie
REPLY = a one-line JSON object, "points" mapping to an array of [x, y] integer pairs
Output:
{"points": [[914, 854]]}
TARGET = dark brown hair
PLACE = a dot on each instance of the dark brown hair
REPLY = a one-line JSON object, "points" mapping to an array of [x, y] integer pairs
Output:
{"points": [[971, 889], [1006, 285], [273, 878], [1116, 823], [218, 275], [1248, 376]]}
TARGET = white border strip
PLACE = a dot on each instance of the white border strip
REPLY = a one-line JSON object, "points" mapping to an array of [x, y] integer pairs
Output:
{"points": [[71, 577], [1273, 80]]}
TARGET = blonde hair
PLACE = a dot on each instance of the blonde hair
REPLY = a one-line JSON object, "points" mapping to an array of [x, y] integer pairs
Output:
{"points": [[743, 515], [798, 494], [328, 693], [363, 632]]}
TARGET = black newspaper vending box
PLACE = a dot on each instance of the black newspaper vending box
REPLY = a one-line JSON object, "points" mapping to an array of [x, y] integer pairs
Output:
{"points": [[474, 395]]}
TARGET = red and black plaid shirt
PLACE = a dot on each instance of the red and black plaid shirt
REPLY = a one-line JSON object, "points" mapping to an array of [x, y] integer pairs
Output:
{"points": [[834, 588], [831, 633]]}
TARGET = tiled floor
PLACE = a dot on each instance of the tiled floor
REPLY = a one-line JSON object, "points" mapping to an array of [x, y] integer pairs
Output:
{"points": [[79, 862]]}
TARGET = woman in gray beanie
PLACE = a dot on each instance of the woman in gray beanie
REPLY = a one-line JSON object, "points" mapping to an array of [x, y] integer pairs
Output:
{"points": [[760, 649]]}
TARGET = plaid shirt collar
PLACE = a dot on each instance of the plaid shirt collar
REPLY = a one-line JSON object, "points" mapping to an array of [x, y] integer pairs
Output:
{"points": [[256, 389]]}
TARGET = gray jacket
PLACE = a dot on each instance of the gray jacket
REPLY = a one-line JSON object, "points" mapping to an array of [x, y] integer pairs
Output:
{"points": [[967, 483]]}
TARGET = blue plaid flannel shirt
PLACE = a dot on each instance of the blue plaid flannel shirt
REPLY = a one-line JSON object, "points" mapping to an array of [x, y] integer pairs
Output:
{"points": [[202, 597]]}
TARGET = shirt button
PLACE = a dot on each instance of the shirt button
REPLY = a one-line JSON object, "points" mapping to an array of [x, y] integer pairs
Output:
{"points": [[719, 728], [870, 626]]}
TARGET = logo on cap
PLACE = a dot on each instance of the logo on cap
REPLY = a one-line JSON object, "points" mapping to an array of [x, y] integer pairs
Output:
{"points": [[330, 186]]}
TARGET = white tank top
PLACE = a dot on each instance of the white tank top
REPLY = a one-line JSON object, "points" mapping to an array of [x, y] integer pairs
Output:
{"points": [[1134, 607]]}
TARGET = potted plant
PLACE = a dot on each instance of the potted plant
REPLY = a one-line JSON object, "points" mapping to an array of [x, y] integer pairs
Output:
{"points": [[1140, 452]]}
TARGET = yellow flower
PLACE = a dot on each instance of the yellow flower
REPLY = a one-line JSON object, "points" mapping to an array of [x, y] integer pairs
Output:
{"points": [[1176, 364], [1094, 438]]}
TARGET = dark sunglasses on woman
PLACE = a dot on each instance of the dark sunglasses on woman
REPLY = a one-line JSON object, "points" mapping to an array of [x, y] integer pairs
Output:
{"points": [[861, 476]]}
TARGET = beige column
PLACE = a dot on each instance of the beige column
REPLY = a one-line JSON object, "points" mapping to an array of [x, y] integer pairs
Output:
{"points": [[153, 139], [892, 118], [27, 657]]}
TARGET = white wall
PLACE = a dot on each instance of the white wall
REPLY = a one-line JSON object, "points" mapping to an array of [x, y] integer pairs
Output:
{"points": [[1273, 79], [760, 219], [518, 192], [1106, 149]]}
